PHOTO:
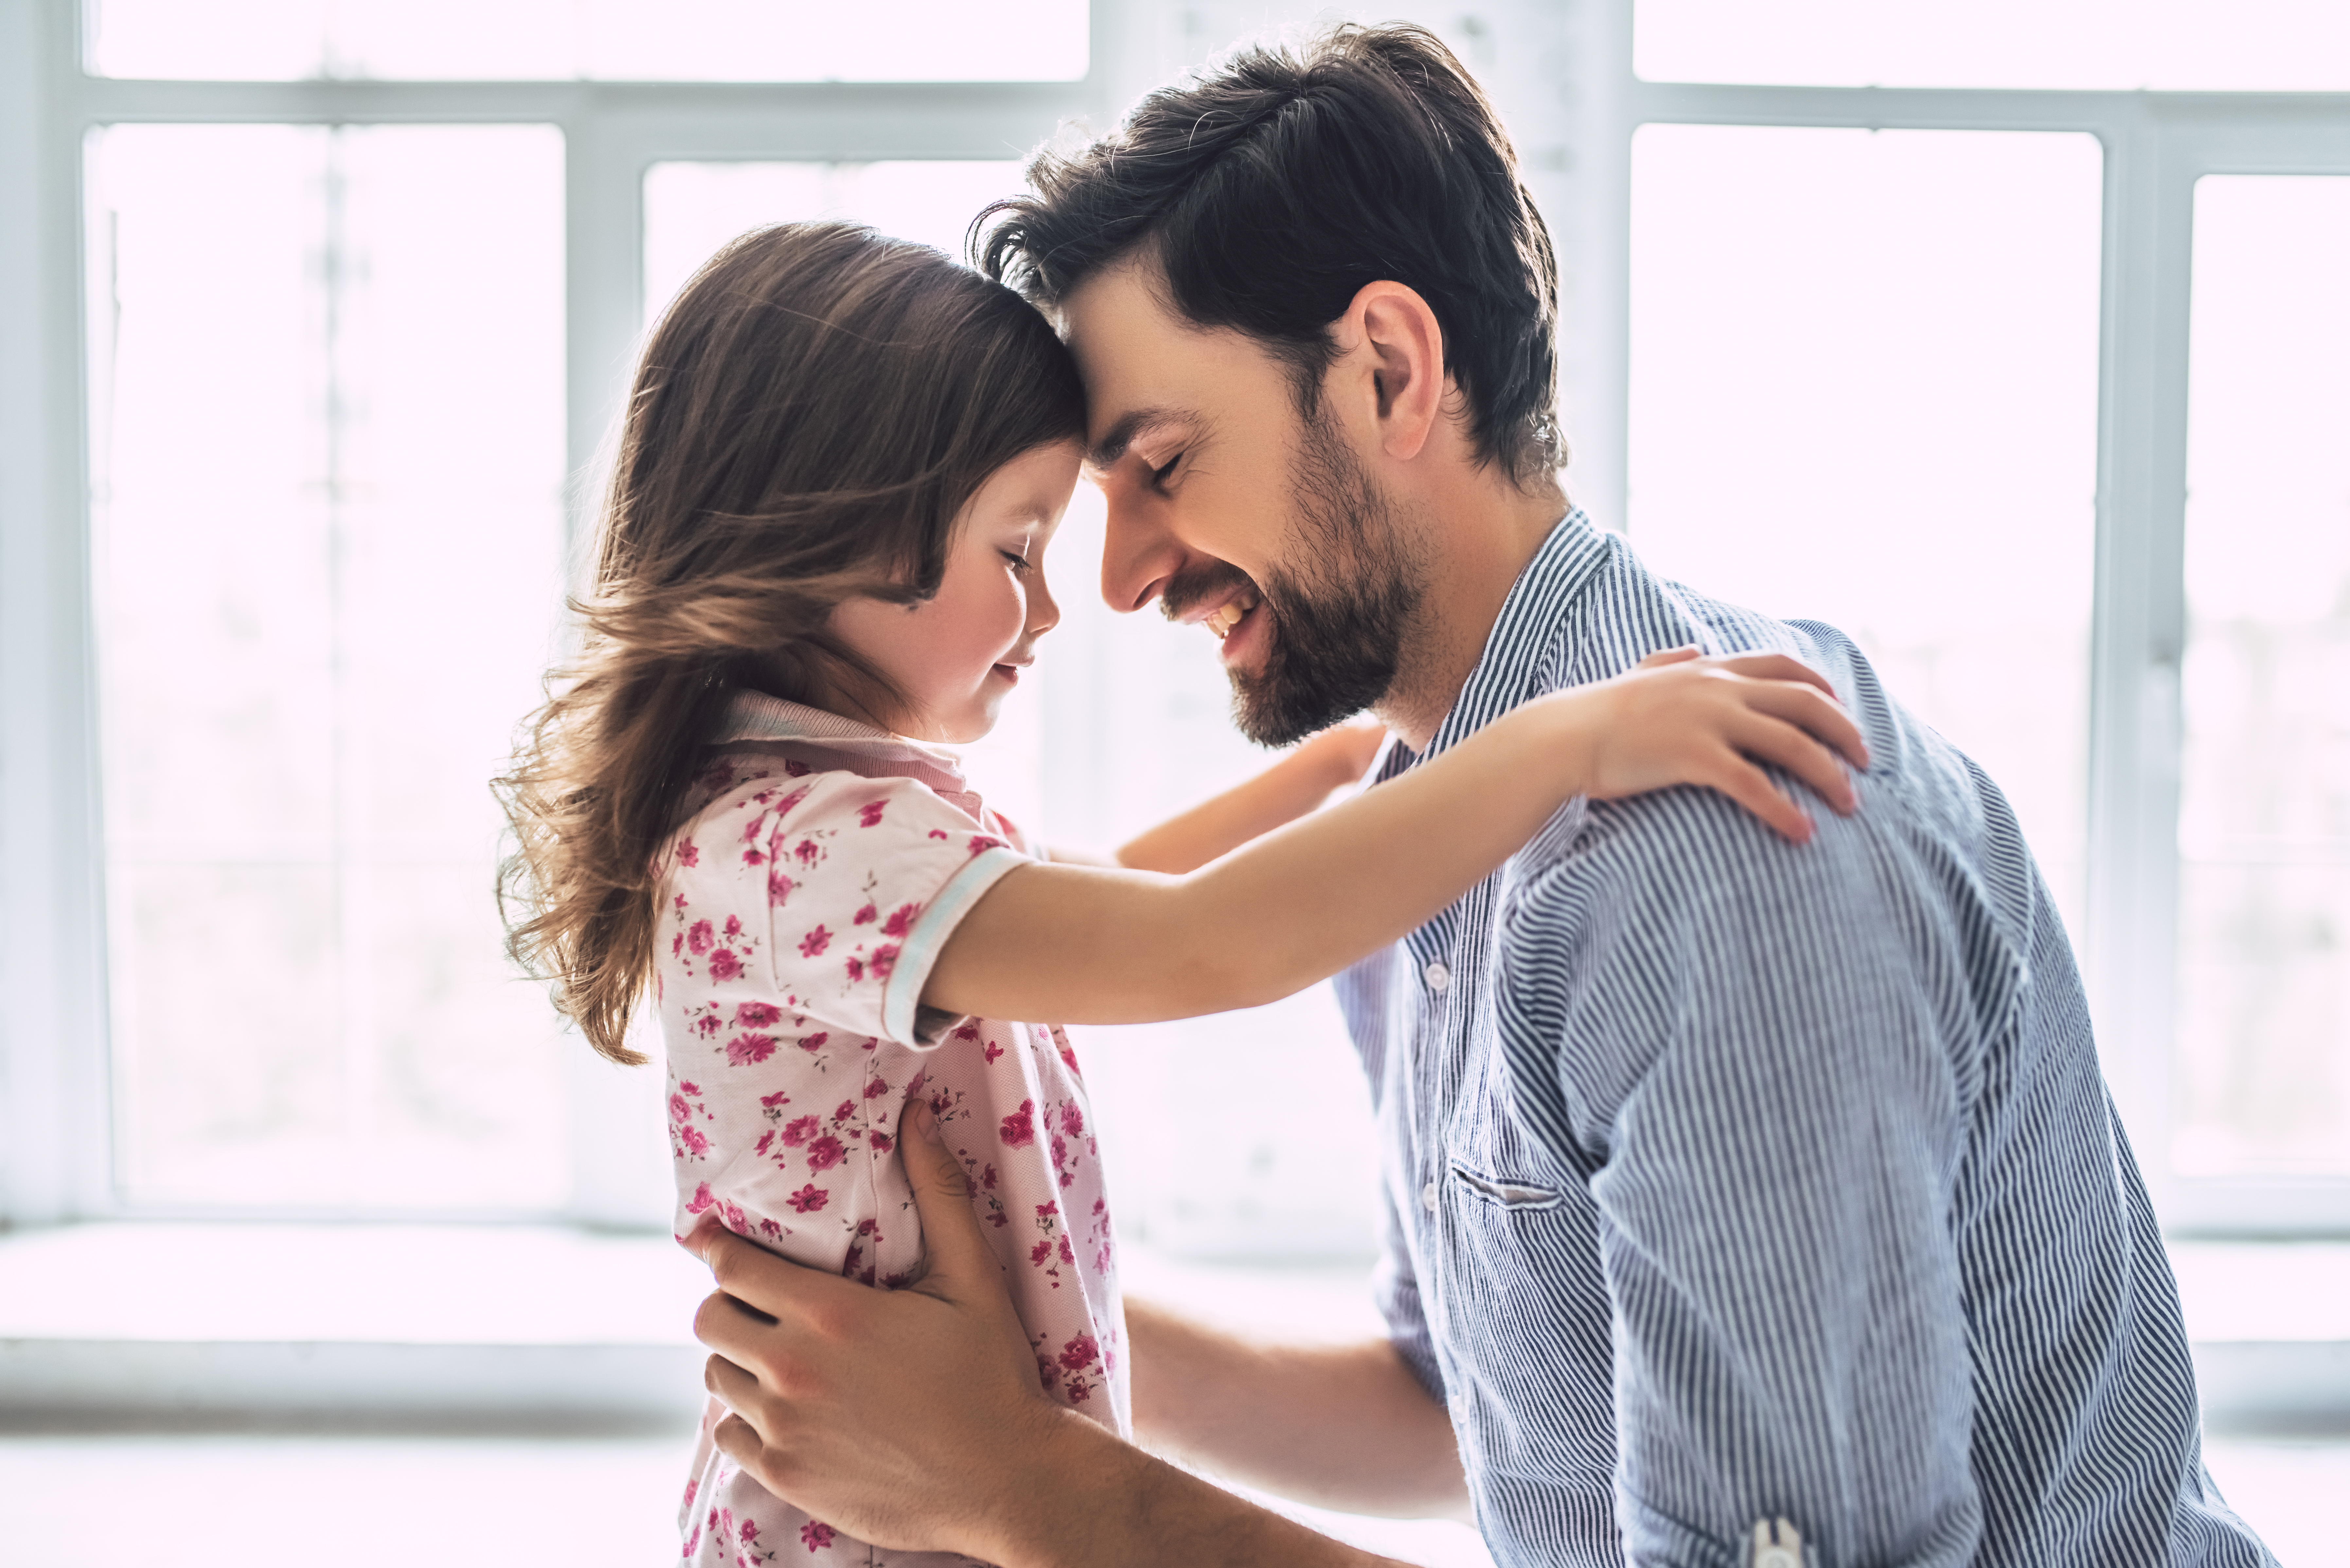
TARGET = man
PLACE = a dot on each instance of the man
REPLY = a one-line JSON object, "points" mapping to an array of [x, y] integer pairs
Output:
{"points": [[1733, 1187]]}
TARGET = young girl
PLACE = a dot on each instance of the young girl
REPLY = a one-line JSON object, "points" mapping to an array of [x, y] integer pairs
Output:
{"points": [[822, 555]]}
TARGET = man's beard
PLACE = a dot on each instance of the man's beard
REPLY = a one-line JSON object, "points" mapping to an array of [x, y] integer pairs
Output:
{"points": [[1337, 629]]}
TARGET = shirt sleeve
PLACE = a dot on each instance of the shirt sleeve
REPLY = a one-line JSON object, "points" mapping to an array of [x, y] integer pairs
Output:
{"points": [[1754, 1052], [866, 877]]}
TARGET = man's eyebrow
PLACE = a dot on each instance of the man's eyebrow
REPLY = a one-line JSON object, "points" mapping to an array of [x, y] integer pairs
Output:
{"points": [[1122, 435]]}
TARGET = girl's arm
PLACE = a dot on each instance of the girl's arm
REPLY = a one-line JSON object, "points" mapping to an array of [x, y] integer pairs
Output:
{"points": [[1091, 945], [1281, 794]]}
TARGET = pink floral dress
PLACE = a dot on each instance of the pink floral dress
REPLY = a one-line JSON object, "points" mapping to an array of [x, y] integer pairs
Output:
{"points": [[823, 866]]}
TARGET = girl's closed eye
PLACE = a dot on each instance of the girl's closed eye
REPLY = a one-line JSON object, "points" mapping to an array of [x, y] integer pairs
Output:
{"points": [[1160, 475]]}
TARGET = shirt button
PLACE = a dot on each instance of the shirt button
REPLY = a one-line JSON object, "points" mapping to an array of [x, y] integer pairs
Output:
{"points": [[1428, 1198], [1439, 978]]}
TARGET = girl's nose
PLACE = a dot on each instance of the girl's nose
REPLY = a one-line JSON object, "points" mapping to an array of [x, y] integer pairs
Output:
{"points": [[1044, 609]]}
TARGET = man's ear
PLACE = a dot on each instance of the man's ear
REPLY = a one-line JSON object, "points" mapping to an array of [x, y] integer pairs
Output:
{"points": [[1391, 352]]}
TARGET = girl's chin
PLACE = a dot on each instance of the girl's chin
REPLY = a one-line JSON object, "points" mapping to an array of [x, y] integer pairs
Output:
{"points": [[972, 723]]}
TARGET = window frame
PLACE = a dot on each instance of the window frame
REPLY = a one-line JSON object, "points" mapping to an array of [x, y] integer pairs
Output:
{"points": [[2156, 145], [1564, 75], [57, 1126]]}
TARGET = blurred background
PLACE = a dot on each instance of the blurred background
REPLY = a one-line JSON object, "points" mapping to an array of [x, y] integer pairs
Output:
{"points": [[2011, 338]]}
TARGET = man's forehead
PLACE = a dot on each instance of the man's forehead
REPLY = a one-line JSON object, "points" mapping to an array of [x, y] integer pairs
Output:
{"points": [[1148, 368], [1125, 341]]}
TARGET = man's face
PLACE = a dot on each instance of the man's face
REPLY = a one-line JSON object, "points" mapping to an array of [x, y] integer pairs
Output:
{"points": [[1238, 514]]}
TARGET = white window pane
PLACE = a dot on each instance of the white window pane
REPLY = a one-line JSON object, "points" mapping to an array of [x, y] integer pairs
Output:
{"points": [[2265, 805], [2245, 46], [1864, 391], [326, 371], [906, 40], [606, 40], [691, 209]]}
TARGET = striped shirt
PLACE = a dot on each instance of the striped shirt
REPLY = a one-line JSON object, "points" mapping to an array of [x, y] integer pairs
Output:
{"points": [[1728, 1178]]}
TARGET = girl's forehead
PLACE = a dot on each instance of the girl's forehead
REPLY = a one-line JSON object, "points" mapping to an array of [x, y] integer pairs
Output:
{"points": [[1032, 491]]}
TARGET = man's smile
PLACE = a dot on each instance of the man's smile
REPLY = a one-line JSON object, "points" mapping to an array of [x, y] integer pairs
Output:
{"points": [[1226, 615], [1229, 609]]}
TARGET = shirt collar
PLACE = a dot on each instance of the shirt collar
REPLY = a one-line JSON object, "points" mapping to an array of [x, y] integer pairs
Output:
{"points": [[1523, 633]]}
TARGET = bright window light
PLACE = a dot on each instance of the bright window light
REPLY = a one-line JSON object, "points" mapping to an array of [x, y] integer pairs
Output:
{"points": [[2264, 807], [326, 373], [691, 209], [600, 40], [1864, 391], [2245, 46]]}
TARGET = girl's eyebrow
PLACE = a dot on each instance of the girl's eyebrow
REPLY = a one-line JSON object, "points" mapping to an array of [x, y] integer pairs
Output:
{"points": [[1132, 428]]}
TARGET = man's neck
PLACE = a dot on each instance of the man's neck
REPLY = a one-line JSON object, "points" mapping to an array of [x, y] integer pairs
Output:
{"points": [[1477, 549]]}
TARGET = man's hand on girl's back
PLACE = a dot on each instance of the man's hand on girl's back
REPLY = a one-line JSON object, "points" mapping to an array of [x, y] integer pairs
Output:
{"points": [[906, 1417], [914, 1418]]}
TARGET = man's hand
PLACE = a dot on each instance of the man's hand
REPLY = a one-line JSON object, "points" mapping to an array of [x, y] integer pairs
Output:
{"points": [[914, 1418], [903, 1418]]}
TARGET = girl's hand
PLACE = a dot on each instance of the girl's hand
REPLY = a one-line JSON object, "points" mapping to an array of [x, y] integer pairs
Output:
{"points": [[1682, 718], [1296, 786]]}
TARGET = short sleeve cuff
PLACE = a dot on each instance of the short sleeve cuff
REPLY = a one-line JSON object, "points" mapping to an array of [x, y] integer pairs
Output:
{"points": [[902, 994]]}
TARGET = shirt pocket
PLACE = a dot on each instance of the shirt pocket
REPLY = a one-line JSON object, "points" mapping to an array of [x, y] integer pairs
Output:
{"points": [[1509, 1192]]}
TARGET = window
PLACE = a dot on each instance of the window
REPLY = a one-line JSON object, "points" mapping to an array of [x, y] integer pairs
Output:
{"points": [[1864, 391], [2265, 798], [351, 341], [1834, 348], [326, 535], [2160, 691], [598, 40], [2252, 46], [691, 209], [354, 289]]}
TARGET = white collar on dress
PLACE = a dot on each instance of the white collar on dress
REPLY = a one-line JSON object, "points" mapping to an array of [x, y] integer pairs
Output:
{"points": [[753, 717]]}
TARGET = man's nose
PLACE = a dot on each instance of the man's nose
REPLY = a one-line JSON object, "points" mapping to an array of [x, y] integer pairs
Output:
{"points": [[1140, 554]]}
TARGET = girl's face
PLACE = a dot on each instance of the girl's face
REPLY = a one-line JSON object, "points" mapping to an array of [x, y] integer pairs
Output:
{"points": [[956, 655]]}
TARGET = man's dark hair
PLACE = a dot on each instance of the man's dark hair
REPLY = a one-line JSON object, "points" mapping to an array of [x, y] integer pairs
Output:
{"points": [[1274, 188]]}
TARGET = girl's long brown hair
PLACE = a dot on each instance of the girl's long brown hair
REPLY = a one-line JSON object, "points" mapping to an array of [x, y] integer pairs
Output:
{"points": [[807, 421]]}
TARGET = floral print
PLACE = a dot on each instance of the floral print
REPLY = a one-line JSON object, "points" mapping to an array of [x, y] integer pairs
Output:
{"points": [[794, 901]]}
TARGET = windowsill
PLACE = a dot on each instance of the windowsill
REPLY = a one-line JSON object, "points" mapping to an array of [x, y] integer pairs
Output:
{"points": [[2264, 1292], [2270, 1323], [406, 1284], [449, 1322], [194, 1318]]}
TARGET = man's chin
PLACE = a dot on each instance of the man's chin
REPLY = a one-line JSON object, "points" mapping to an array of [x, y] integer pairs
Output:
{"points": [[1263, 707], [1274, 712], [1297, 670], [1259, 723]]}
